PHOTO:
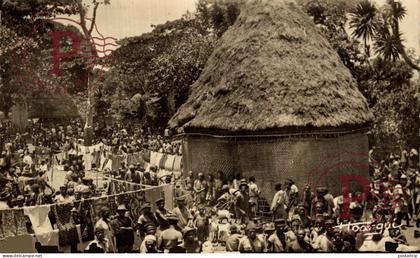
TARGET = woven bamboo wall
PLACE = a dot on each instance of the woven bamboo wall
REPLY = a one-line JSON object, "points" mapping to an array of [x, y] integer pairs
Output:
{"points": [[318, 161]]}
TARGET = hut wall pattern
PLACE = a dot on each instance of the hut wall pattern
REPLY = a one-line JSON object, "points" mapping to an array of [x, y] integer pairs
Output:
{"points": [[317, 161]]}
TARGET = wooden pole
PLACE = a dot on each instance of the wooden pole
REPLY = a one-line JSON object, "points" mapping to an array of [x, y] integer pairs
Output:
{"points": [[51, 167]]}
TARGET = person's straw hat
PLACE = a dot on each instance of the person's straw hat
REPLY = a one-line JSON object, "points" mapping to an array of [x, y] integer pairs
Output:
{"points": [[251, 226], [243, 182], [160, 200], [146, 205], [187, 230], [121, 207], [269, 227]]}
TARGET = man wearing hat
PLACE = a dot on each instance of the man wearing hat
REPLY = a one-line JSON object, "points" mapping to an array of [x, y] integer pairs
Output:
{"points": [[190, 243], [150, 231], [232, 242], [146, 217], [251, 243], [124, 233], [290, 235], [149, 244], [161, 214], [170, 237], [200, 186], [183, 214], [277, 241], [269, 229], [104, 223], [241, 203], [295, 223], [260, 230]]}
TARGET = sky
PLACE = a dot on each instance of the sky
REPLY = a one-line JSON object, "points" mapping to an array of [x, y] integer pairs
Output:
{"points": [[125, 18], [411, 24]]}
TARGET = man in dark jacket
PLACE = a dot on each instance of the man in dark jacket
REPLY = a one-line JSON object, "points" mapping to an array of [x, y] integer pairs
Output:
{"points": [[124, 233]]}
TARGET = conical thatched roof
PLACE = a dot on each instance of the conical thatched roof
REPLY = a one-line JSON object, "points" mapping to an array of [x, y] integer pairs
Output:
{"points": [[272, 69]]}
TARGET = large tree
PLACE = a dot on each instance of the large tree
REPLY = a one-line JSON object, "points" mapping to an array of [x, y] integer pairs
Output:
{"points": [[363, 22], [25, 49], [163, 64], [160, 65], [397, 13], [27, 65], [392, 92]]}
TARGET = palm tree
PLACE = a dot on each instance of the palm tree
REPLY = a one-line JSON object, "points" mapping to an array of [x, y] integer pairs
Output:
{"points": [[386, 43], [363, 22], [397, 12]]}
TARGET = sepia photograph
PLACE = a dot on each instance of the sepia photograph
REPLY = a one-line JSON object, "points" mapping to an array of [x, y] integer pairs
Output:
{"points": [[209, 127]]}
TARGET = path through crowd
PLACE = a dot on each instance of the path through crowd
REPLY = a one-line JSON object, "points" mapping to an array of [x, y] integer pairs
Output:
{"points": [[57, 177]]}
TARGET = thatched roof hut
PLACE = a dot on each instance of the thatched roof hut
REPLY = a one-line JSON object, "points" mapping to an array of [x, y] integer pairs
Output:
{"points": [[273, 69], [272, 73]]}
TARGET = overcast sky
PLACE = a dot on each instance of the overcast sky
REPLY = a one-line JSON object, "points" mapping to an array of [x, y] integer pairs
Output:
{"points": [[125, 18]]}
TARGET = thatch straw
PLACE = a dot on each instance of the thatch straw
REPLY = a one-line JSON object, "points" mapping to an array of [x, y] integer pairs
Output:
{"points": [[272, 69]]}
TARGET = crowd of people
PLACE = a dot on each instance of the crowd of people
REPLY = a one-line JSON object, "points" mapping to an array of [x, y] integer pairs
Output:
{"points": [[26, 157], [65, 136], [218, 214], [305, 221], [213, 212]]}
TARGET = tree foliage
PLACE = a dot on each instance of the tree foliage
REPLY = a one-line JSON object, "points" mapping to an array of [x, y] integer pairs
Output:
{"points": [[363, 22], [162, 65], [154, 71], [25, 52]]}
